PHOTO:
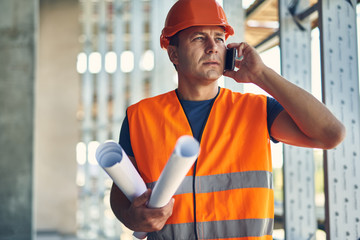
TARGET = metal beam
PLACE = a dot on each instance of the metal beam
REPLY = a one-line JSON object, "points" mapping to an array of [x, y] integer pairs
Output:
{"points": [[253, 8], [272, 40], [340, 79], [308, 12], [299, 187]]}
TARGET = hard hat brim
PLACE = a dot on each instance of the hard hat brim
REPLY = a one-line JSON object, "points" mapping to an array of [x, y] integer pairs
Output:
{"points": [[169, 32]]}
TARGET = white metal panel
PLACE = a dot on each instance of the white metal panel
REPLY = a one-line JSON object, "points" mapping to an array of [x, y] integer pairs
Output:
{"points": [[102, 78], [87, 103], [137, 47], [299, 191], [119, 81], [87, 81], [158, 19], [236, 17], [102, 98], [164, 72], [341, 95]]}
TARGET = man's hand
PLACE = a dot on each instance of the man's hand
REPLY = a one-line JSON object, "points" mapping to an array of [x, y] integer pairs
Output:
{"points": [[249, 67], [138, 217]]}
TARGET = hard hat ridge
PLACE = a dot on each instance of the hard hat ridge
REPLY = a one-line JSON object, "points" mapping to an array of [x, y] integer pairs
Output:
{"points": [[189, 13]]}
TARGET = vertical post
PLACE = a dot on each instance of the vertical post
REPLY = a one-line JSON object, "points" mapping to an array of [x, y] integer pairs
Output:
{"points": [[102, 81], [340, 81], [118, 89], [299, 191], [87, 90], [18, 27], [162, 75], [155, 31], [236, 18], [137, 47], [102, 87]]}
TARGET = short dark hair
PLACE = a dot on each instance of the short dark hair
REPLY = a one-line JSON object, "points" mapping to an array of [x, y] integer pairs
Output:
{"points": [[174, 41]]}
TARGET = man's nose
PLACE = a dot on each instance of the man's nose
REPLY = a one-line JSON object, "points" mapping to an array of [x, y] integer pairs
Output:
{"points": [[211, 46]]}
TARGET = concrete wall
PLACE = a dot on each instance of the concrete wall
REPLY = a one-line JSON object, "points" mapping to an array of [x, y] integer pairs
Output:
{"points": [[57, 132], [18, 28]]}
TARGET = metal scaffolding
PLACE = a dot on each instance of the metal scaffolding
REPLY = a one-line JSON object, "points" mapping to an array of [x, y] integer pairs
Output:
{"points": [[124, 64], [118, 72]]}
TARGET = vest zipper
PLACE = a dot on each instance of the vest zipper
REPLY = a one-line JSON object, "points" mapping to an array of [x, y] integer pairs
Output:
{"points": [[195, 164]]}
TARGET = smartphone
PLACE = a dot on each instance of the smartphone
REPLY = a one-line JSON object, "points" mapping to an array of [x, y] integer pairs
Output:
{"points": [[230, 59]]}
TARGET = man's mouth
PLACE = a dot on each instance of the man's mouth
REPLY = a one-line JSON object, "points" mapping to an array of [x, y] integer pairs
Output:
{"points": [[211, 63]]}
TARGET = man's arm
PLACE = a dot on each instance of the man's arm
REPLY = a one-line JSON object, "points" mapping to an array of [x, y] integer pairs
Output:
{"points": [[305, 121]]}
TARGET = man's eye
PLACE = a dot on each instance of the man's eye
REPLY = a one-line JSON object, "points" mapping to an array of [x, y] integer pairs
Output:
{"points": [[220, 39], [199, 38]]}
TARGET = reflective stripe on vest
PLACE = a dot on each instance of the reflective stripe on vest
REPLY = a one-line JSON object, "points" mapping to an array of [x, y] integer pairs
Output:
{"points": [[220, 182], [233, 175], [218, 230]]}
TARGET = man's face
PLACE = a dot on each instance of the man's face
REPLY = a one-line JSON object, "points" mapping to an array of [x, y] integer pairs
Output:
{"points": [[201, 53]]}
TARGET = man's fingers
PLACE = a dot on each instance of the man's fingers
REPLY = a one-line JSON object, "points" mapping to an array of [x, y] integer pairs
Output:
{"points": [[233, 45], [146, 219], [160, 216], [230, 74], [142, 199], [240, 47], [170, 207]]}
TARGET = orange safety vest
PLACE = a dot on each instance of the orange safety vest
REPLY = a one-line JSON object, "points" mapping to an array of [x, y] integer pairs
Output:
{"points": [[229, 189]]}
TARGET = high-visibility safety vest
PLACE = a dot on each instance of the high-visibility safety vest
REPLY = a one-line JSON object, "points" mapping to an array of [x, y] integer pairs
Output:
{"points": [[228, 193]]}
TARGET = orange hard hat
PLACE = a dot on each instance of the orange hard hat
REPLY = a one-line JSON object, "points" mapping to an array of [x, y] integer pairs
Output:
{"points": [[189, 13]]}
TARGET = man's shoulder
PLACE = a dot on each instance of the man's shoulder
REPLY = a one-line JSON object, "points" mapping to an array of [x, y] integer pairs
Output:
{"points": [[158, 101], [157, 98]]}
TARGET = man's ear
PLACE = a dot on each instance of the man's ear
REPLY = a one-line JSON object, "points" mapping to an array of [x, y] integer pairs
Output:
{"points": [[173, 54]]}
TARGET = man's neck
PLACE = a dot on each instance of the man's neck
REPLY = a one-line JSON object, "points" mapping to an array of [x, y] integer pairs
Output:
{"points": [[198, 93]]}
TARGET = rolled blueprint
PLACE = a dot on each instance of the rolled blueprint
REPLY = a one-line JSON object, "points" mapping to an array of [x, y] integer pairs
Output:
{"points": [[112, 158], [183, 157]]}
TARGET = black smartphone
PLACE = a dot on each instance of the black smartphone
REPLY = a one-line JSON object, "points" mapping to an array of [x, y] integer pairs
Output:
{"points": [[230, 59]]}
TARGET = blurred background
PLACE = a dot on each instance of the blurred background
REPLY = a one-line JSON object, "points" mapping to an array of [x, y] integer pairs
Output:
{"points": [[70, 68]]}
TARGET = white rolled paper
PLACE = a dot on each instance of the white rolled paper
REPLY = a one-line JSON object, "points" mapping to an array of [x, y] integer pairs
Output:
{"points": [[112, 158], [183, 157]]}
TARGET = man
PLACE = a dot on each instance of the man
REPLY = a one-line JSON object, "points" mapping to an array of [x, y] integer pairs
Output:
{"points": [[230, 195]]}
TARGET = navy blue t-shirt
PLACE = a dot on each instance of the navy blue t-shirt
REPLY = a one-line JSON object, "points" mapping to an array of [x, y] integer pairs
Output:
{"points": [[197, 113]]}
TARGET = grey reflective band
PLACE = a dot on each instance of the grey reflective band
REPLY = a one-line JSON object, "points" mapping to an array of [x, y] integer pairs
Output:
{"points": [[226, 181], [217, 229], [174, 231]]}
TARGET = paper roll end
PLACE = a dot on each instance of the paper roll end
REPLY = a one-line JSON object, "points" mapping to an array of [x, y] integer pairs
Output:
{"points": [[108, 154], [109, 159], [187, 146]]}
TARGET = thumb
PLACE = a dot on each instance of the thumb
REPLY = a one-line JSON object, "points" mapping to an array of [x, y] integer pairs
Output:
{"points": [[142, 199]]}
